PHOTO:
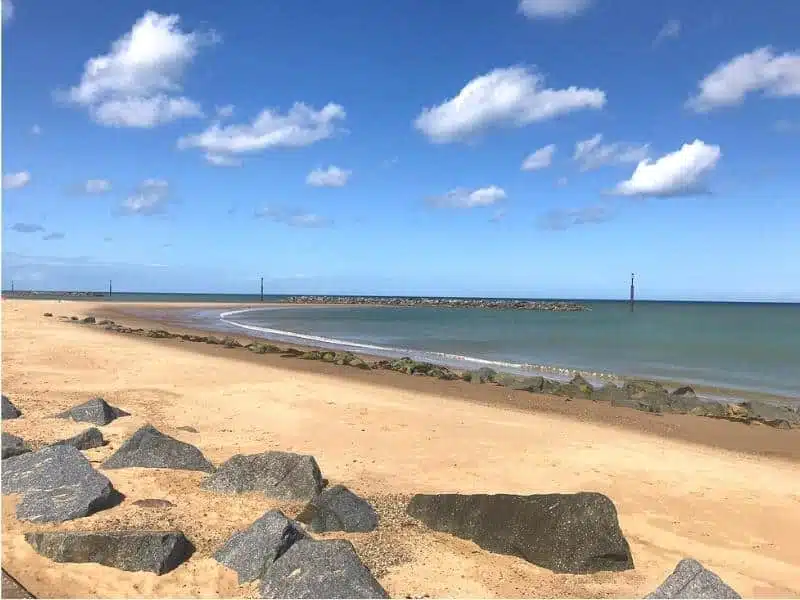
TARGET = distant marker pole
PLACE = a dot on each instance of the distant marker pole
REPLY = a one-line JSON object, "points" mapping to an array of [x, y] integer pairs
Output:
{"points": [[110, 290], [262, 289], [632, 292], [12, 286]]}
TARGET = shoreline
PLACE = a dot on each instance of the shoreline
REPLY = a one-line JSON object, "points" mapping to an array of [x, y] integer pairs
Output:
{"points": [[723, 493], [164, 313], [754, 438]]}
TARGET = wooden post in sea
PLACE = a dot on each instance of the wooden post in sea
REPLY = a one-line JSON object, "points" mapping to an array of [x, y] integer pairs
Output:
{"points": [[632, 292], [262, 289], [110, 290], [12, 286]]}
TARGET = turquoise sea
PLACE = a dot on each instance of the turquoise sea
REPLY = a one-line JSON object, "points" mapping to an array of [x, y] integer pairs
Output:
{"points": [[740, 346]]}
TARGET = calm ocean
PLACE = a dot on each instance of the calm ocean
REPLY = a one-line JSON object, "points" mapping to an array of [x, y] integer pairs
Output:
{"points": [[740, 346]]}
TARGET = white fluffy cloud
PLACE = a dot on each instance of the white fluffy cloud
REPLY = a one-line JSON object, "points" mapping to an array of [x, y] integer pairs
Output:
{"points": [[13, 181], [149, 199], [223, 112], [97, 186], [330, 177], [465, 198], [512, 96], [8, 11], [671, 29], [678, 173], [593, 153], [137, 83], [541, 159], [552, 9], [301, 126], [758, 71]]}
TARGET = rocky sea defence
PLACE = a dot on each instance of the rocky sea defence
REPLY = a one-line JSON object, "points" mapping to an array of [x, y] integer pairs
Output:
{"points": [[639, 394], [496, 304]]}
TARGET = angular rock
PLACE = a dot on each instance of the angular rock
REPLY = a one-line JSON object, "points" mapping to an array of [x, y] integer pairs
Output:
{"points": [[526, 384], [566, 533], [96, 411], [252, 551], [85, 440], [282, 475], [89, 320], [156, 551], [9, 411], [690, 579], [149, 448], [482, 375], [57, 484], [584, 387], [320, 569], [609, 393], [13, 446], [339, 509]]}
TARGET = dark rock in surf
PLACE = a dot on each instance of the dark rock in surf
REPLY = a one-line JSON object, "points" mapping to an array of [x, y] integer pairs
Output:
{"points": [[85, 440], [9, 411], [690, 579], [339, 509], [57, 484], [282, 475], [96, 411], [13, 445], [252, 551], [158, 552], [566, 533], [89, 320], [320, 569], [149, 448]]}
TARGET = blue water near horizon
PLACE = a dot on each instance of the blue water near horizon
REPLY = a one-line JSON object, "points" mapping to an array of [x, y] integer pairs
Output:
{"points": [[739, 346]]}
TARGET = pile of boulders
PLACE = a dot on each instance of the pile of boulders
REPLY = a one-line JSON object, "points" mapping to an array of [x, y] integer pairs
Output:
{"points": [[566, 533]]}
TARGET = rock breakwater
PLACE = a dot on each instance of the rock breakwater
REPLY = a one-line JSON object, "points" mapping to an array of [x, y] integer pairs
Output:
{"points": [[496, 304]]}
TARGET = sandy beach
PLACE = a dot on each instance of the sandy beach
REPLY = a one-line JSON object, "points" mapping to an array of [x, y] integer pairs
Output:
{"points": [[724, 493]]}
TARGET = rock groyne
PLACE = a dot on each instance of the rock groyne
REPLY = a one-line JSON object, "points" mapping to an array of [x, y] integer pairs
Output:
{"points": [[497, 304]]}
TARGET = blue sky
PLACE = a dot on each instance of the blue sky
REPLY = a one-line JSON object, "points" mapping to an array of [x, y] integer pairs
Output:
{"points": [[543, 148]]}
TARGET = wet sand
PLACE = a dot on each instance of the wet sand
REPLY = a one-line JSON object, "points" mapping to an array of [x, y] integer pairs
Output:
{"points": [[724, 493]]}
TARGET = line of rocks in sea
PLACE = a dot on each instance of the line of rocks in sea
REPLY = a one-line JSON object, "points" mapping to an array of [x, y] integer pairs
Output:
{"points": [[639, 394], [498, 304], [574, 533]]}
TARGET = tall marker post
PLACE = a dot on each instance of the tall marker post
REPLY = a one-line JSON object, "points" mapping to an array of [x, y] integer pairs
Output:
{"points": [[632, 292], [262, 289]]}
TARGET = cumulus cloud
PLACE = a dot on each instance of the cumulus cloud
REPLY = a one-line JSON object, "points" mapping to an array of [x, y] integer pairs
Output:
{"points": [[466, 198], [553, 9], [679, 173], [27, 228], [758, 71], [55, 235], [300, 126], [593, 153], [97, 186], [138, 82], [560, 219], [541, 159], [294, 217], [8, 11], [330, 177], [13, 181], [670, 30], [150, 198], [513, 97]]}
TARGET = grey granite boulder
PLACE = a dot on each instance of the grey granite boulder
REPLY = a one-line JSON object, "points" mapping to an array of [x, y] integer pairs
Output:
{"points": [[690, 579], [150, 448], [9, 411], [85, 440], [282, 475], [156, 551], [566, 533], [96, 411], [251, 551], [339, 509], [320, 569], [57, 484], [13, 445]]}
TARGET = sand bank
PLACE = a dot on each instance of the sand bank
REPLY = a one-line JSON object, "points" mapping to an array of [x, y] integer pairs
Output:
{"points": [[387, 436]]}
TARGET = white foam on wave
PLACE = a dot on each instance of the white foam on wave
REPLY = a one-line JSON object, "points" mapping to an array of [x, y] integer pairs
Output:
{"points": [[445, 358]]}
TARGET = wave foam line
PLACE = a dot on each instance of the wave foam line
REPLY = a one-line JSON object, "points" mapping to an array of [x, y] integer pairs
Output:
{"points": [[441, 356]]}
